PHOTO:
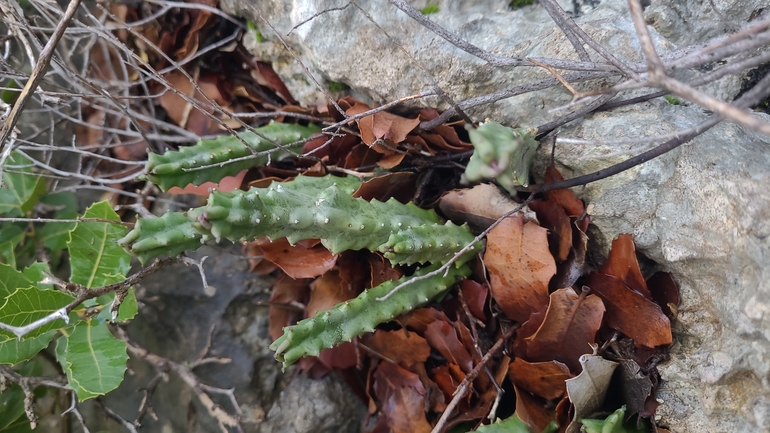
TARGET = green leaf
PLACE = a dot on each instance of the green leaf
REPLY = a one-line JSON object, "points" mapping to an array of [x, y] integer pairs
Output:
{"points": [[20, 425], [514, 425], [11, 279], [431, 8], [93, 359], [11, 407], [13, 351], [128, 308], [55, 235], [21, 187], [36, 273], [95, 257], [10, 236], [509, 425], [612, 424], [25, 306]]}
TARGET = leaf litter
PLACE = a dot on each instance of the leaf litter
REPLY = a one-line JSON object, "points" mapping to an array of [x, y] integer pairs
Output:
{"points": [[584, 346]]}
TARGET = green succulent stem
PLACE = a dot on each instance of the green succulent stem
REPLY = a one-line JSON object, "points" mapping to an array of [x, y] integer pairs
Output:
{"points": [[362, 314], [212, 160]]}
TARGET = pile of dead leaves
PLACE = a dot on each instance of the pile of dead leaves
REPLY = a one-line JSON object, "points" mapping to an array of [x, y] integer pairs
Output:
{"points": [[583, 345]]}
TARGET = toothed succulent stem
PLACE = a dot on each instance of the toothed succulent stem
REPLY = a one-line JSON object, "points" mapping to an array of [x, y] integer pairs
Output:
{"points": [[184, 166], [362, 314], [307, 208], [501, 153]]}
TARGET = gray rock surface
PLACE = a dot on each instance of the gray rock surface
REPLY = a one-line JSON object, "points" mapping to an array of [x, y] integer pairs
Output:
{"points": [[700, 212], [179, 321]]}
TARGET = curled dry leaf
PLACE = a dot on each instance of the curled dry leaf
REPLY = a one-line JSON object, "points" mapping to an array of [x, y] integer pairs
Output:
{"points": [[420, 318], [569, 328], [520, 266], [588, 389], [402, 398], [532, 410], [622, 263], [635, 387], [630, 312], [479, 206], [448, 377], [475, 296], [664, 292], [552, 216], [299, 261], [568, 201], [400, 186], [443, 337], [545, 379]]}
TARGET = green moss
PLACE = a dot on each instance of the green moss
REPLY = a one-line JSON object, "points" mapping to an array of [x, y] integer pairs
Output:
{"points": [[673, 100], [338, 87], [432, 8], [515, 4], [257, 33]]}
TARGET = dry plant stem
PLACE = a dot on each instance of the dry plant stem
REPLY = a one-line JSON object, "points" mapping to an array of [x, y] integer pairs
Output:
{"points": [[225, 420], [568, 26], [489, 57], [28, 385], [145, 407], [115, 417], [752, 97], [316, 15], [34, 80], [657, 77], [543, 130], [558, 15], [298, 60], [73, 409], [83, 294], [439, 91], [462, 389]]}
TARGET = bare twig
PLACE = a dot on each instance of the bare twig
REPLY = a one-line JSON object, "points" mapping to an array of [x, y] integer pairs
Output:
{"points": [[470, 377], [752, 97], [37, 74], [225, 420]]}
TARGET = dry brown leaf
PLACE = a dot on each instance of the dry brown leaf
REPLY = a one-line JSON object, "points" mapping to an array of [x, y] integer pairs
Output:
{"points": [[402, 398], [328, 291], [664, 292], [479, 206], [532, 410], [630, 312], [299, 261], [622, 263], [569, 328], [420, 318], [398, 347], [286, 291], [400, 186], [475, 296], [545, 379], [382, 270], [520, 266], [443, 337], [571, 204], [448, 377], [552, 216]]}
